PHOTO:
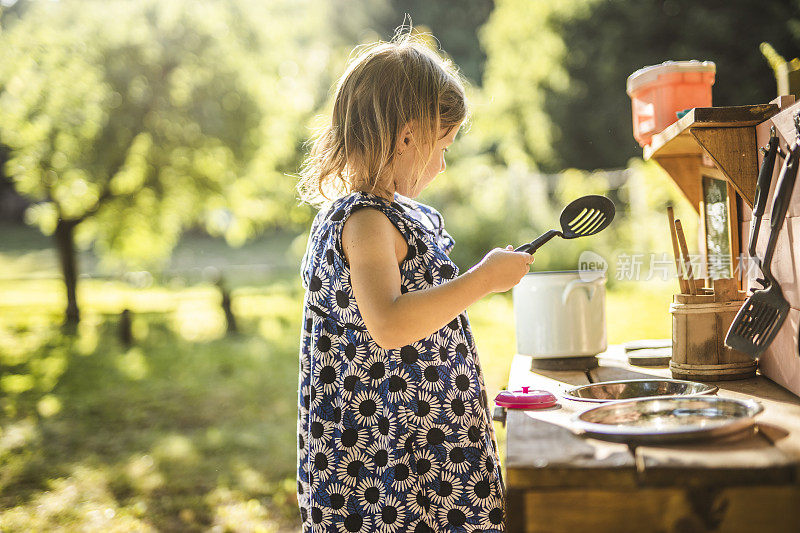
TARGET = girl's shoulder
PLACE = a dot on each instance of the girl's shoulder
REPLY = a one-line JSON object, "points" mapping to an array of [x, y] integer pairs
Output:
{"points": [[409, 216], [340, 209]]}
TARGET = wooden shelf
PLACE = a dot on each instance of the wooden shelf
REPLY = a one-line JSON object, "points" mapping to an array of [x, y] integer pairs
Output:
{"points": [[724, 135]]}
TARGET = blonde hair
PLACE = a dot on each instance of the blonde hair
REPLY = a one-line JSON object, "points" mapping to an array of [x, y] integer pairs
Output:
{"points": [[387, 86]]}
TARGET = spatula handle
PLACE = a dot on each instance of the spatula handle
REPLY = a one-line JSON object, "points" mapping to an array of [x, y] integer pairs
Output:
{"points": [[780, 204], [540, 240], [762, 190]]}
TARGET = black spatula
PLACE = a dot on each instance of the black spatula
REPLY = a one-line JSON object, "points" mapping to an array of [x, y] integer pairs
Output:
{"points": [[760, 318], [762, 191], [582, 217]]}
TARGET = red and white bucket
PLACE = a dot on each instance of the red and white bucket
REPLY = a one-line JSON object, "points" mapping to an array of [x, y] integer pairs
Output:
{"points": [[658, 92]]}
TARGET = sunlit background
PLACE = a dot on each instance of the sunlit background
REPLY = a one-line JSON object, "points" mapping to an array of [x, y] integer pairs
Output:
{"points": [[150, 234]]}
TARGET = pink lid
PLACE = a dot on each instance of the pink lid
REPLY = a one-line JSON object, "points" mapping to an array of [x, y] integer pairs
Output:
{"points": [[526, 398]]}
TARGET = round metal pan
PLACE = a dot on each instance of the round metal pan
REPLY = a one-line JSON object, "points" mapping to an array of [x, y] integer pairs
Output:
{"points": [[628, 389], [656, 420]]}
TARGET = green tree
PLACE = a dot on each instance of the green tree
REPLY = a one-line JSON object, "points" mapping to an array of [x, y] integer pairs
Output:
{"points": [[556, 71], [455, 25], [129, 122]]}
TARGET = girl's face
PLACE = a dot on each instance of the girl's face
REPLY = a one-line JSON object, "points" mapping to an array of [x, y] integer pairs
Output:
{"points": [[411, 157]]}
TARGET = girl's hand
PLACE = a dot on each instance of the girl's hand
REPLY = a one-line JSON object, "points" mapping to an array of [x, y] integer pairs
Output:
{"points": [[503, 268]]}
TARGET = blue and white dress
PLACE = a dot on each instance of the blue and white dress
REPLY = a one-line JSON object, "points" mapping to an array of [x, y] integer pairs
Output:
{"points": [[390, 440]]}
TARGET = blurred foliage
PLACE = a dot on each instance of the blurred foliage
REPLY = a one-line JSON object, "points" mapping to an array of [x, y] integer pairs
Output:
{"points": [[178, 433], [556, 71], [455, 27], [140, 119]]}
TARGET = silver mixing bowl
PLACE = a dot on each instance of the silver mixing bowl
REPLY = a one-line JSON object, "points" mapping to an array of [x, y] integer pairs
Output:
{"points": [[608, 391]]}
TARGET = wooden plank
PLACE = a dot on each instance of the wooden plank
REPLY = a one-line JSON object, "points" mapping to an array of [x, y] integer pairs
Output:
{"points": [[548, 454], [542, 450], [614, 366], [671, 140], [783, 101], [785, 266], [734, 237], [675, 134], [607, 372], [740, 115], [784, 123], [664, 145], [780, 421], [746, 459], [781, 362], [556, 381], [685, 172], [516, 510], [763, 509], [734, 152]]}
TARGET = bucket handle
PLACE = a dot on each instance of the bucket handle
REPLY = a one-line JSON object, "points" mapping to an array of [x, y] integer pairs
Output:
{"points": [[589, 286]]}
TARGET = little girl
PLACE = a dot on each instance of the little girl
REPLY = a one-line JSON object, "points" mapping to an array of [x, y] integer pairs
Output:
{"points": [[394, 430]]}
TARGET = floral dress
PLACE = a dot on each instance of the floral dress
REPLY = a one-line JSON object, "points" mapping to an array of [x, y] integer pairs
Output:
{"points": [[390, 440]]}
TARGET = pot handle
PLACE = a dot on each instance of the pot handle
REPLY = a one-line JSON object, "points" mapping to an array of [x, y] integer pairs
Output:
{"points": [[589, 286]]}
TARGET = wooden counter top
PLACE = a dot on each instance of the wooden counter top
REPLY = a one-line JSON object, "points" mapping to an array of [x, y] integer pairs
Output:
{"points": [[559, 481]]}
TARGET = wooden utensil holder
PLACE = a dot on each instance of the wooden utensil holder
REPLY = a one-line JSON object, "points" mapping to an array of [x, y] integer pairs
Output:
{"points": [[699, 325]]}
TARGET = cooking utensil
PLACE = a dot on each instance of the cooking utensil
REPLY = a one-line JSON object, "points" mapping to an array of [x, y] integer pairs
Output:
{"points": [[762, 314], [655, 420], [608, 391], [762, 191], [582, 217], [687, 262], [526, 398], [561, 314], [684, 285]]}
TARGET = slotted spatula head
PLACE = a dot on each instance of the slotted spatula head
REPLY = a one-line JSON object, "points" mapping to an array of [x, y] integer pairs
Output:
{"points": [[758, 321], [586, 216], [762, 315]]}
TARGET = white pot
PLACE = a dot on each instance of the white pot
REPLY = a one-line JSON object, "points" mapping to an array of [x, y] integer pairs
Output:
{"points": [[561, 314]]}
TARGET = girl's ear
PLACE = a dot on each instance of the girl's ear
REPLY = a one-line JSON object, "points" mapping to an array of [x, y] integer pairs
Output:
{"points": [[406, 139]]}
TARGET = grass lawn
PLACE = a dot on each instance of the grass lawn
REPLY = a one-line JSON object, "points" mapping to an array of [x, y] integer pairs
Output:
{"points": [[189, 429]]}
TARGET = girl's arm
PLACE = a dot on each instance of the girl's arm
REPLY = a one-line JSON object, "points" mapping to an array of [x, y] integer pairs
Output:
{"points": [[374, 248]]}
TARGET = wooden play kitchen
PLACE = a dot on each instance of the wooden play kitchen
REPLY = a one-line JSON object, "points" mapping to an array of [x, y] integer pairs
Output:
{"points": [[561, 476], [559, 481]]}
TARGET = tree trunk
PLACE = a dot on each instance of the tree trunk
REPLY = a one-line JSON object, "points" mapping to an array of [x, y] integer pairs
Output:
{"points": [[65, 244], [226, 305], [126, 328]]}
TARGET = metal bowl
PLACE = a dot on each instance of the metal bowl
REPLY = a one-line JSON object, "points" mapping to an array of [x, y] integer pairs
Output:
{"points": [[607, 391], [667, 419]]}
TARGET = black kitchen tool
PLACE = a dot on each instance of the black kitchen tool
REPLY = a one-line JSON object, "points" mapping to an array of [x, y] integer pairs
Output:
{"points": [[760, 318], [762, 191], [581, 218]]}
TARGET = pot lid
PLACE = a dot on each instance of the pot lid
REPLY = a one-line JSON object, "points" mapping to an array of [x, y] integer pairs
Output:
{"points": [[526, 398]]}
